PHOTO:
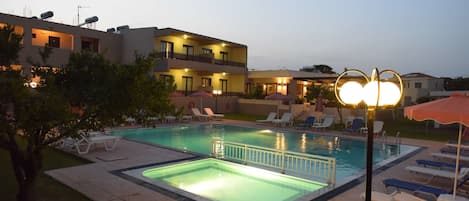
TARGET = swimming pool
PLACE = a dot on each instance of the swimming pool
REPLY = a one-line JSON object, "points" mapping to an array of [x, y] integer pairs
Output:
{"points": [[349, 153], [221, 180]]}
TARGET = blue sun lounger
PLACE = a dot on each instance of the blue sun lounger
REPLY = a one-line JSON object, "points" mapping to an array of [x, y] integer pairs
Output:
{"points": [[427, 163], [451, 150], [414, 187]]}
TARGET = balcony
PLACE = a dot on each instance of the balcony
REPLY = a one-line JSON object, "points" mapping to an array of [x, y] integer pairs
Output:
{"points": [[202, 62], [205, 58]]}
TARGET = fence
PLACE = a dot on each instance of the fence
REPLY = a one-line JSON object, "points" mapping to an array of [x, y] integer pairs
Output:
{"points": [[307, 164]]}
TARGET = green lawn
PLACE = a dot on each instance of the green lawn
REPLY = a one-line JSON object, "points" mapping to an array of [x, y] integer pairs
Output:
{"points": [[47, 188], [407, 128]]}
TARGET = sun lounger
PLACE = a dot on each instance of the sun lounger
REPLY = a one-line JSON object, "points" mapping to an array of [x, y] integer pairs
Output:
{"points": [[357, 124], [109, 143], [395, 196], [169, 119], [438, 164], [416, 188], [450, 156], [199, 115], [186, 118], [211, 114], [463, 174], [377, 128], [307, 124], [269, 118], [286, 119], [450, 150], [328, 121]]}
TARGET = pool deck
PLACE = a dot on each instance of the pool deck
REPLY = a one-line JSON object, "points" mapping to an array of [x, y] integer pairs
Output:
{"points": [[96, 181]]}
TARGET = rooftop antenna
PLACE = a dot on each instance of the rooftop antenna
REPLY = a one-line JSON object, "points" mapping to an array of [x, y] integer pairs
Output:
{"points": [[78, 13]]}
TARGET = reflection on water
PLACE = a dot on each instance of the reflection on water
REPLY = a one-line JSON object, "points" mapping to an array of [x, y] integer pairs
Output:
{"points": [[280, 142]]}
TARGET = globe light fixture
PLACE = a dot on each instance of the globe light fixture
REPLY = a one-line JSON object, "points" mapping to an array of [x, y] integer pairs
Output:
{"points": [[375, 94]]}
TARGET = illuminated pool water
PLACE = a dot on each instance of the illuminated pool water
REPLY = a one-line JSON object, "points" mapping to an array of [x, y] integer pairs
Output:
{"points": [[349, 153], [221, 180]]}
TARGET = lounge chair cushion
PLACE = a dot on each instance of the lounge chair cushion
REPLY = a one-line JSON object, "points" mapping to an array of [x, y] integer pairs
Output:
{"points": [[400, 184]]}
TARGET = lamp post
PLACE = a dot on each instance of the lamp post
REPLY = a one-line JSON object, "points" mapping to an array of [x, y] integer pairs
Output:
{"points": [[375, 94], [216, 93]]}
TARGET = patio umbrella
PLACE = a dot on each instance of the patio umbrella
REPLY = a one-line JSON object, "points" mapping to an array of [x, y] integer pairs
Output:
{"points": [[201, 94], [454, 109], [319, 104]]}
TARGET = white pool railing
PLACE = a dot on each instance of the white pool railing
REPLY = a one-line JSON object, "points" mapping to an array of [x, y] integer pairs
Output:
{"points": [[308, 164]]}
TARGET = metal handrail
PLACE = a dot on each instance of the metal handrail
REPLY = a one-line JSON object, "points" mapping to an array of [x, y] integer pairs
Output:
{"points": [[205, 58], [308, 164]]}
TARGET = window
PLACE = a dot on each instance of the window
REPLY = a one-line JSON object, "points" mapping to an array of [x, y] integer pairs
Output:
{"points": [[418, 85], [187, 84], [206, 82], [89, 44], [166, 77], [224, 57], [54, 42], [206, 51], [167, 49], [189, 51], [224, 86]]}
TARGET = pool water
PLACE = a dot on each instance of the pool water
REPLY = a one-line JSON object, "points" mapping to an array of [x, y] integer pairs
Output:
{"points": [[350, 154], [221, 180]]}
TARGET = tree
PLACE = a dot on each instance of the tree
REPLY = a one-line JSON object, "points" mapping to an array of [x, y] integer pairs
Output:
{"points": [[103, 93], [321, 68], [10, 45], [328, 95]]}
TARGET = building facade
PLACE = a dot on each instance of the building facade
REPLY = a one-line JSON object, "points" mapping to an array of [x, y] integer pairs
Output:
{"points": [[195, 62], [417, 85], [288, 82]]}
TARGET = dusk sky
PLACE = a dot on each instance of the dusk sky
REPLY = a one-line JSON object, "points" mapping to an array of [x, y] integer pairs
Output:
{"points": [[429, 36]]}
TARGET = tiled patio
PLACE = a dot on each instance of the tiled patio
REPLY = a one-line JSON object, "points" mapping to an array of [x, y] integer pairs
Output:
{"points": [[96, 181]]}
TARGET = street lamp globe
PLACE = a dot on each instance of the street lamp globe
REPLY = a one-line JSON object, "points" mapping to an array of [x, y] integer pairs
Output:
{"points": [[351, 93]]}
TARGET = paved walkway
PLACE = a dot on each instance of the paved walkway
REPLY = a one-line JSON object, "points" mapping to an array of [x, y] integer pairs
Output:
{"points": [[96, 182]]}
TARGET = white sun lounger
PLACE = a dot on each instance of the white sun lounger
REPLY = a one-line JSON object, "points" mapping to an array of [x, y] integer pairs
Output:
{"points": [[325, 124], [269, 118], [450, 156], [438, 173], [211, 114], [286, 119], [199, 115], [109, 143]]}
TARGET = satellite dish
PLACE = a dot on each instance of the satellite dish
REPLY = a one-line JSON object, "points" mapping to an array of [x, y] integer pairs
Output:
{"points": [[46, 15]]}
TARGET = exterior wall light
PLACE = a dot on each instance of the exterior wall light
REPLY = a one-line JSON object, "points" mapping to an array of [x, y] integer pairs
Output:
{"points": [[375, 94], [33, 85], [186, 70]]}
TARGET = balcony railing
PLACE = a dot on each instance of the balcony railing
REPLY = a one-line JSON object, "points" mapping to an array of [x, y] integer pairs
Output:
{"points": [[205, 58]]}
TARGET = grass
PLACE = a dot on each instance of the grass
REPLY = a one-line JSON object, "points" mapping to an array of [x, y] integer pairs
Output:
{"points": [[420, 130], [407, 128], [46, 187]]}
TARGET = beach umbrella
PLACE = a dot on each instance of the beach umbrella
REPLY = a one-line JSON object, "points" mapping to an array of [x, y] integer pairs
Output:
{"points": [[454, 109], [202, 94]]}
